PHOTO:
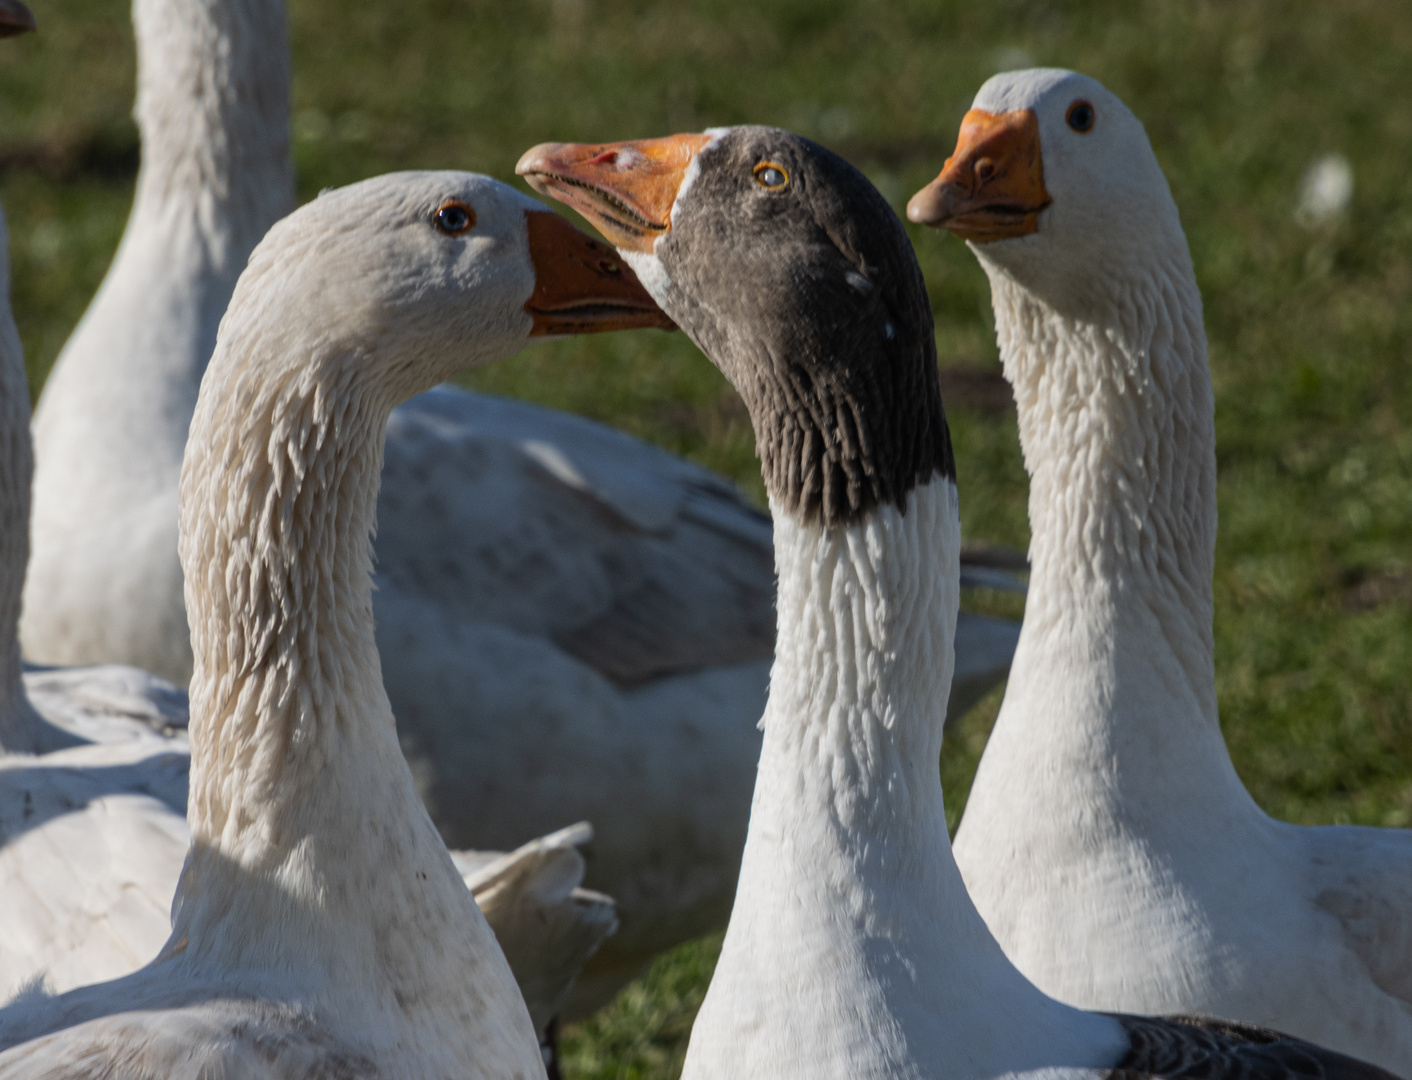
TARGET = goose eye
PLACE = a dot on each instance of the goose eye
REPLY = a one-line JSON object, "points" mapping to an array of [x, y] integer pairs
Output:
{"points": [[455, 218], [1080, 117], [770, 176]]}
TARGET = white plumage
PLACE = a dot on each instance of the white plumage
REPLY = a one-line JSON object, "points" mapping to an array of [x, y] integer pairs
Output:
{"points": [[573, 624], [319, 922], [1108, 841]]}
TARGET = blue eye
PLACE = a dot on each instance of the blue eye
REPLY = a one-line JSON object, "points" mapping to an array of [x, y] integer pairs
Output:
{"points": [[770, 176], [454, 218]]}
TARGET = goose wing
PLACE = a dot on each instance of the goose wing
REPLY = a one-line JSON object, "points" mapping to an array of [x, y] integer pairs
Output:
{"points": [[632, 560], [1198, 1046], [250, 1040], [1362, 877], [91, 843], [547, 924]]}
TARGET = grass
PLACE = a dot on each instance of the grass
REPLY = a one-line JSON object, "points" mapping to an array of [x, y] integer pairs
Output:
{"points": [[1309, 326]]}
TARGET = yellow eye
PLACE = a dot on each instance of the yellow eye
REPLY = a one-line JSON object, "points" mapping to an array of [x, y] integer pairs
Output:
{"points": [[770, 176]]}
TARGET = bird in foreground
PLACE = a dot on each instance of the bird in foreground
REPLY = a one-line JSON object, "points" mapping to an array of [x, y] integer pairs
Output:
{"points": [[853, 949], [1108, 840], [93, 793], [320, 927], [573, 624]]}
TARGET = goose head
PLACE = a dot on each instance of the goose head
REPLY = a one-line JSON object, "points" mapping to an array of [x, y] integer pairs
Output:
{"points": [[15, 18], [1053, 181], [407, 278], [793, 275]]}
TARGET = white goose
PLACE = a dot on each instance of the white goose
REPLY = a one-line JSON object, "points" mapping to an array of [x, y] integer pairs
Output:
{"points": [[573, 624], [319, 923], [853, 949], [1108, 841]]}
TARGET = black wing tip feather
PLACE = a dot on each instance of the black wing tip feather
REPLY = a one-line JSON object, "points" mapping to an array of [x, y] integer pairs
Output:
{"points": [[1207, 1048]]}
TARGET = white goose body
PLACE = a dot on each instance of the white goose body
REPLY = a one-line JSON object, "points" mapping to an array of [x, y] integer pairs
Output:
{"points": [[1107, 840], [320, 926]]}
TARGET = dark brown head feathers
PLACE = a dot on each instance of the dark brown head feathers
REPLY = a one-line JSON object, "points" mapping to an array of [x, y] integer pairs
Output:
{"points": [[807, 295]]}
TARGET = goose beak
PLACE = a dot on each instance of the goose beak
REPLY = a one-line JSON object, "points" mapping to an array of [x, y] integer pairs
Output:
{"points": [[627, 189], [992, 187], [580, 285], [15, 18]]}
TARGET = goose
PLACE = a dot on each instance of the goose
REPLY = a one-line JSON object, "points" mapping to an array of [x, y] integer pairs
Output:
{"points": [[573, 624], [1108, 841], [320, 926], [853, 949], [93, 790]]}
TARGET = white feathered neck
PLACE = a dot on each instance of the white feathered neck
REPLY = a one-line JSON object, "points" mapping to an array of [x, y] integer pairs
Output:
{"points": [[853, 948], [312, 855], [213, 108], [1113, 680]]}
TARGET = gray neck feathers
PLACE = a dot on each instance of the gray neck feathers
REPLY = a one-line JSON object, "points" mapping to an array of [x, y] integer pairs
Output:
{"points": [[834, 449], [839, 376]]}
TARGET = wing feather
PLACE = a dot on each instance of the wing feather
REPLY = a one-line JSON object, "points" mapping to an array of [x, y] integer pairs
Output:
{"points": [[1198, 1046]]}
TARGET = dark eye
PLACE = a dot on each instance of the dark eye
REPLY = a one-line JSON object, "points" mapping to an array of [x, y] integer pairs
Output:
{"points": [[1080, 117], [770, 176], [454, 218]]}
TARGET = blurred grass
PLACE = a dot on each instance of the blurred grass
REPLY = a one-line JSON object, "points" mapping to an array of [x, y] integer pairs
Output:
{"points": [[1309, 327]]}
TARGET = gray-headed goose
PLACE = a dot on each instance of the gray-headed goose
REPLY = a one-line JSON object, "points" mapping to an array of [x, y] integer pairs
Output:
{"points": [[1108, 841], [853, 949], [320, 926]]}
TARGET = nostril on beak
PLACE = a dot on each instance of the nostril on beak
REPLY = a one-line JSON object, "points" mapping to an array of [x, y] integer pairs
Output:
{"points": [[608, 266], [608, 157], [985, 169]]}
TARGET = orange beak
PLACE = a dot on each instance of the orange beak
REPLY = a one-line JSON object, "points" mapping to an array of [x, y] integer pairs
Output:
{"points": [[581, 286], [627, 189], [15, 18], [992, 187]]}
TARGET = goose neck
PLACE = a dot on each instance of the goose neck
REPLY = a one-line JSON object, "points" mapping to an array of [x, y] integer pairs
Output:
{"points": [[213, 105], [854, 948], [311, 851], [1116, 424], [863, 663]]}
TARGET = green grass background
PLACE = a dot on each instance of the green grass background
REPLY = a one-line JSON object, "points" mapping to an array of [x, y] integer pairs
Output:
{"points": [[1309, 327]]}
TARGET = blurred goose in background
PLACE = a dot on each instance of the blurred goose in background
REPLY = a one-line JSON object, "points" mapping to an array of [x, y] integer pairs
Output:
{"points": [[320, 926], [78, 842], [573, 624], [1108, 841], [853, 949]]}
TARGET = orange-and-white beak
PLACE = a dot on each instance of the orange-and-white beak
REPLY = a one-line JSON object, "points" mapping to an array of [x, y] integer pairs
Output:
{"points": [[992, 187], [580, 284], [15, 18], [627, 189]]}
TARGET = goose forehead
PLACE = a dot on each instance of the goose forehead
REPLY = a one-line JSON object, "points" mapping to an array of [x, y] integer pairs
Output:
{"points": [[1031, 89], [395, 196]]}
